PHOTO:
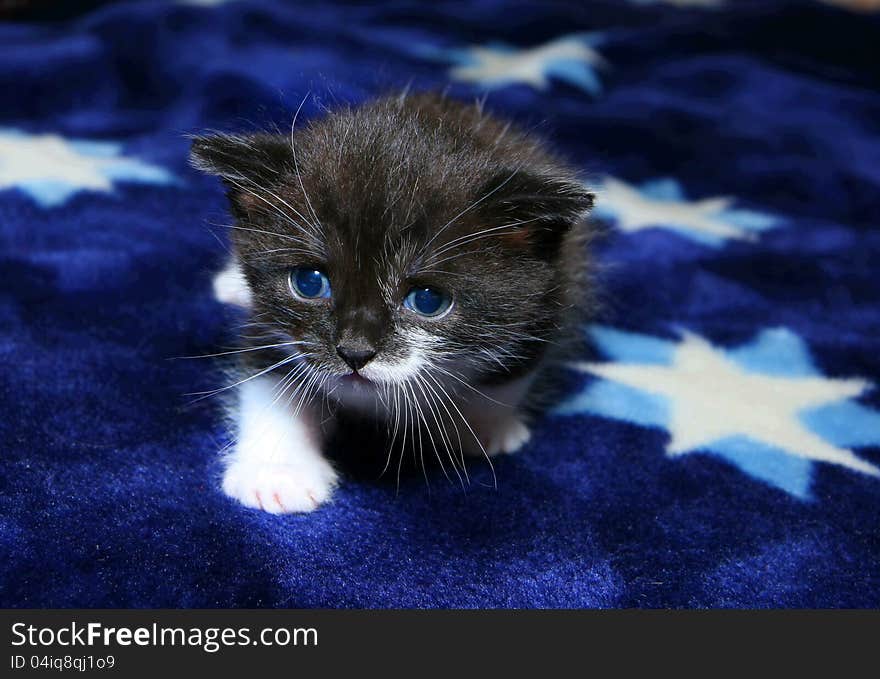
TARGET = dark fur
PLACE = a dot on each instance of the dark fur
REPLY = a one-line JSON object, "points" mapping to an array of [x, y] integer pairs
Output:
{"points": [[383, 180]]}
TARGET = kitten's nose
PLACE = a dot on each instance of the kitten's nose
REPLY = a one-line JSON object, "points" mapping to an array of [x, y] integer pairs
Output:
{"points": [[356, 358]]}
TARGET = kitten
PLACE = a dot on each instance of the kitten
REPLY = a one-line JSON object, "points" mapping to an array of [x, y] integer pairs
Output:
{"points": [[413, 258]]}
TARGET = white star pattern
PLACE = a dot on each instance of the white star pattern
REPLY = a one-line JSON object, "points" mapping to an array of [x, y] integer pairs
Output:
{"points": [[712, 398], [571, 59], [709, 220], [51, 168]]}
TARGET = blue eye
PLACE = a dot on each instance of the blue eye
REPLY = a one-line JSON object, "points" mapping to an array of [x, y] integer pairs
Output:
{"points": [[427, 301], [309, 282]]}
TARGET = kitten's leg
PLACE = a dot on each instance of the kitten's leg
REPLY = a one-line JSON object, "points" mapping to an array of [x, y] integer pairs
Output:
{"points": [[230, 286], [495, 418], [276, 464]]}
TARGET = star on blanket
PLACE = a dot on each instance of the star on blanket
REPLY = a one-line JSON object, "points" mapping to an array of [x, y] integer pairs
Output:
{"points": [[763, 407], [571, 59], [50, 168], [661, 204]]}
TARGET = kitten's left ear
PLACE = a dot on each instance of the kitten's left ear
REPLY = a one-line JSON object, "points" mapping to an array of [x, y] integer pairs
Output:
{"points": [[249, 158], [546, 205], [243, 162]]}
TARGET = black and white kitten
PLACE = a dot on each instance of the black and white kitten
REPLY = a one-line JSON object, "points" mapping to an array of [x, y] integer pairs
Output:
{"points": [[413, 257]]}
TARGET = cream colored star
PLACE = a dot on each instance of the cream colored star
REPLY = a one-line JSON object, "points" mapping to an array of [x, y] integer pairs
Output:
{"points": [[48, 158], [51, 168], [712, 398], [569, 58], [634, 211]]}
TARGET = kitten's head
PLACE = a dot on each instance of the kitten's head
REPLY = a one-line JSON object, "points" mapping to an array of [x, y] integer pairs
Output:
{"points": [[404, 235]]}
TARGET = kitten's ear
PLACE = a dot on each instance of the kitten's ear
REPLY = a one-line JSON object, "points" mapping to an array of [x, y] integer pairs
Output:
{"points": [[242, 157], [539, 197], [539, 207], [242, 161]]}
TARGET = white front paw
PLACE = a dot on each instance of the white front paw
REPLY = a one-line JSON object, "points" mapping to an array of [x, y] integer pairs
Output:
{"points": [[507, 436], [230, 286], [280, 488]]}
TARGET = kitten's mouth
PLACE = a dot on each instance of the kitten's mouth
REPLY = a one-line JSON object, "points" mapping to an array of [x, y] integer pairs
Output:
{"points": [[356, 378]]}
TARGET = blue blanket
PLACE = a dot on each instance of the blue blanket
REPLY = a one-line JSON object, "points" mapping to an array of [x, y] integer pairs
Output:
{"points": [[718, 444]]}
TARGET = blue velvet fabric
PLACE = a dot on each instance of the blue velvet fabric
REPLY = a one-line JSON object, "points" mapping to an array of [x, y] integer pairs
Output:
{"points": [[632, 492]]}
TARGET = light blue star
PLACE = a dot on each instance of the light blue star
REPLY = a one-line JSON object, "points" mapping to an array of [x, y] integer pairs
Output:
{"points": [[763, 407], [50, 169], [571, 59], [661, 203]]}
